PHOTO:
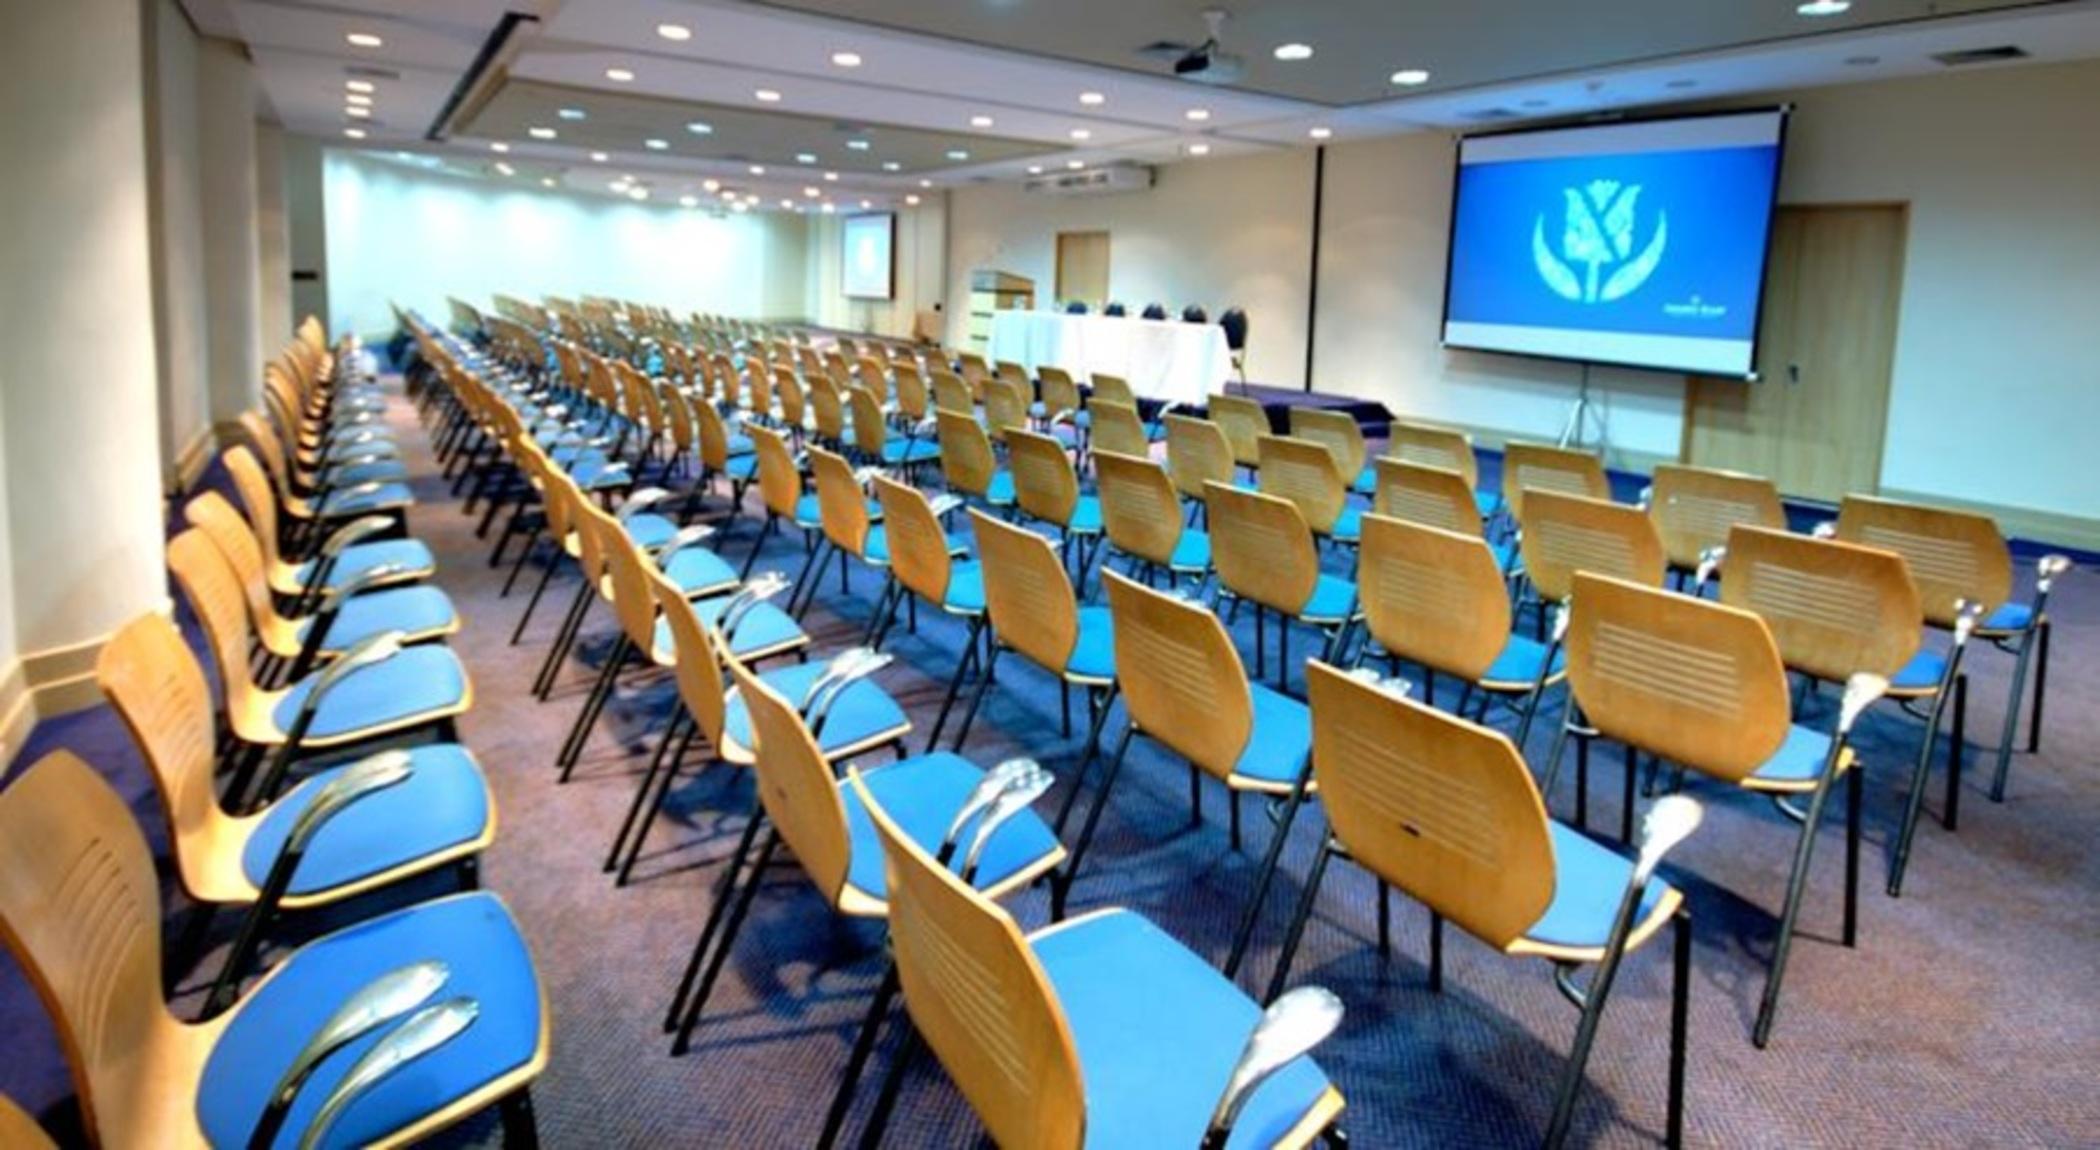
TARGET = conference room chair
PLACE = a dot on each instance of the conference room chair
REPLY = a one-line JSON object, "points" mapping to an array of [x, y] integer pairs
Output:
{"points": [[1264, 553], [1701, 686], [1428, 446], [1194, 313], [952, 394], [850, 530], [1837, 610], [338, 560], [1033, 611], [1115, 310], [1046, 490], [1343, 437], [1234, 321], [382, 1033], [1142, 519], [1244, 423], [874, 444], [1115, 389], [338, 446], [1695, 509], [925, 563], [1305, 473], [914, 404], [1116, 428], [1183, 686], [1446, 811], [311, 511], [342, 831], [1438, 599], [1006, 409], [791, 405], [1155, 311], [1435, 496], [759, 404], [1060, 1064], [376, 690], [780, 495], [723, 454], [969, 466], [1015, 374], [825, 823], [290, 645], [19, 1130], [1060, 401], [1075, 307], [1563, 534], [827, 413], [1536, 466], [1198, 455], [1960, 555], [973, 369], [681, 431]]}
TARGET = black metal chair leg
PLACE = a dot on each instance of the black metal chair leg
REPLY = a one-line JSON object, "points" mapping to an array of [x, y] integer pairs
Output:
{"points": [[1299, 917], [984, 684], [1797, 885], [734, 923], [593, 706], [1436, 953], [892, 1082], [863, 1046], [2012, 715], [1061, 886], [1914, 806], [550, 668], [2041, 689], [1385, 920], [1101, 702], [962, 667], [539, 589], [521, 1128], [656, 805], [1854, 784], [1957, 753], [1282, 831], [641, 791], [725, 887], [1680, 1018]]}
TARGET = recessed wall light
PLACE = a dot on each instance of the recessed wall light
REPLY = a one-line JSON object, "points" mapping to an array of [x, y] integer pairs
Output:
{"points": [[758, 169], [359, 85], [674, 32], [892, 166], [805, 157], [599, 157], [710, 185], [1082, 134], [831, 177], [571, 113], [541, 133], [357, 98], [364, 40], [1196, 115], [1092, 99], [858, 145], [354, 133], [619, 75], [958, 154], [1823, 7], [656, 145], [1199, 149], [1293, 51], [1410, 77], [1321, 133], [766, 96], [700, 127], [357, 113], [912, 201], [846, 59]]}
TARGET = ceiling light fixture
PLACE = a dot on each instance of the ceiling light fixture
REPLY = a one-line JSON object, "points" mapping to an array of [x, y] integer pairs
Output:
{"points": [[505, 169], [1035, 169], [812, 191], [892, 166], [1321, 133], [354, 133], [364, 40], [758, 169], [498, 146], [980, 121], [846, 59], [828, 208], [541, 133], [710, 185], [1082, 134], [866, 204], [655, 144], [788, 204], [359, 85], [912, 201], [805, 157], [1075, 165], [740, 207], [637, 194], [858, 145], [1196, 115], [925, 183], [1293, 52], [678, 32], [598, 157], [958, 155], [700, 127], [766, 96], [357, 98], [831, 177], [1092, 99], [1411, 77], [689, 201], [619, 75], [571, 113], [357, 113], [1199, 149], [547, 181], [1823, 7]]}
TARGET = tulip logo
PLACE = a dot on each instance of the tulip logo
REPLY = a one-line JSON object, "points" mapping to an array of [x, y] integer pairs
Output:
{"points": [[1596, 263]]}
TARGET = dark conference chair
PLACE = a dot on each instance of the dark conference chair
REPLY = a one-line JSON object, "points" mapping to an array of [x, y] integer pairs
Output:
{"points": [[1075, 307], [1234, 321], [1155, 311], [1194, 313], [1116, 310]]}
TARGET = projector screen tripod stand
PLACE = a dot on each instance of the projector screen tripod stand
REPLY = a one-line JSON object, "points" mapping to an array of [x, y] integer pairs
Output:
{"points": [[1584, 416]]}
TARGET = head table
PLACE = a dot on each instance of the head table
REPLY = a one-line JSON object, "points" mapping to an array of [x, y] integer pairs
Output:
{"points": [[1167, 360]]}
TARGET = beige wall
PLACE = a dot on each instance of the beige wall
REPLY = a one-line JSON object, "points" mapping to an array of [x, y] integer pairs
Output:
{"points": [[232, 239], [1216, 234], [921, 278], [307, 224], [177, 243]]}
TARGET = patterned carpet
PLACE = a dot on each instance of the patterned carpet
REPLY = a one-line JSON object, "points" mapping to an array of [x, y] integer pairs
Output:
{"points": [[1967, 1016]]}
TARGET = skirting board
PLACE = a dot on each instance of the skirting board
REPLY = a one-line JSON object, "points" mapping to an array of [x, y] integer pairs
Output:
{"points": [[47, 684], [17, 714], [190, 465]]}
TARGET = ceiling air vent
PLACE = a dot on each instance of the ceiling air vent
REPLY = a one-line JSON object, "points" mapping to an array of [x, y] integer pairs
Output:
{"points": [[368, 72], [1489, 115], [1981, 56]]}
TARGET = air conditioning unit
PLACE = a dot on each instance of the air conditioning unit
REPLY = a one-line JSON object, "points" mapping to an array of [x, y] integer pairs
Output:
{"points": [[1103, 181]]}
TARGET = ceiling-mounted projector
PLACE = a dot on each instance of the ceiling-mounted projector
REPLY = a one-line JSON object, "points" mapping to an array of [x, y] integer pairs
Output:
{"points": [[1205, 63]]}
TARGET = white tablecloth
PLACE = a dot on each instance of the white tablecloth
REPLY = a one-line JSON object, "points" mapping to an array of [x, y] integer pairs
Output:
{"points": [[1163, 359]]}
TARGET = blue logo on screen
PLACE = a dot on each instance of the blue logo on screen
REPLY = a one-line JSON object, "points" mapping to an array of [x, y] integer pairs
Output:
{"points": [[1598, 236]]}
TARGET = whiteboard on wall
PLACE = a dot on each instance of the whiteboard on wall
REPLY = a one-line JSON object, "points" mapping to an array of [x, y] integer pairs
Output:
{"points": [[869, 260]]}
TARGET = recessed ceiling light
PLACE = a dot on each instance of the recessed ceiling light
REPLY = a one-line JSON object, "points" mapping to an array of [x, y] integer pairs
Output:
{"points": [[1321, 133], [846, 59], [740, 207], [751, 198], [805, 157], [729, 196], [788, 204], [866, 204], [598, 157], [1196, 115], [700, 127], [828, 209], [547, 181], [656, 145], [1092, 99], [812, 191], [1199, 149], [571, 113], [766, 96], [892, 166], [925, 183], [1823, 7], [541, 133], [637, 193], [1681, 85], [1410, 77], [1293, 51], [619, 75], [958, 154], [912, 200], [689, 201], [357, 113], [831, 177], [710, 185], [1082, 134], [858, 145], [354, 133], [980, 121], [1075, 165], [364, 40], [674, 31], [758, 169], [357, 98], [1035, 169], [359, 85], [498, 146], [505, 169]]}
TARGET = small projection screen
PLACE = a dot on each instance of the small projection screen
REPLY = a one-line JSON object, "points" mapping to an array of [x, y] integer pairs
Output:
{"points": [[1637, 244], [869, 261]]}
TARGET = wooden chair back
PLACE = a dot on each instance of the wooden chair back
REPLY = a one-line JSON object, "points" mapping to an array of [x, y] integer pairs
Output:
{"points": [[1140, 512], [1337, 431], [1045, 483], [967, 462], [1112, 388], [1564, 534], [1008, 371], [1005, 408], [1439, 807], [1432, 496], [787, 393], [626, 574], [1182, 681], [1198, 455], [911, 390], [1117, 428], [952, 394], [779, 482], [1692, 681], [840, 502], [1244, 423], [1427, 446], [714, 437], [682, 424], [979, 999], [1953, 555], [795, 784], [1433, 596], [215, 594], [1059, 392], [215, 515], [697, 661], [1834, 609], [1537, 467], [827, 407], [253, 487], [1695, 508], [154, 681], [1026, 592], [918, 547], [1262, 548], [1305, 473], [870, 430]]}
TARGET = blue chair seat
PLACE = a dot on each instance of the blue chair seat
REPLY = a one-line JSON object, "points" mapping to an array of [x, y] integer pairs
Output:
{"points": [[2012, 617], [348, 501], [1348, 526], [764, 630], [699, 572], [593, 471], [381, 445], [486, 960], [1506, 557], [412, 556], [650, 531], [419, 683], [906, 452], [1333, 601], [877, 549], [1488, 502], [443, 804], [965, 588], [1279, 742], [1517, 667], [372, 470], [1157, 1031], [921, 795], [1094, 650], [1589, 881], [1000, 491], [864, 711], [1192, 553], [1086, 516], [1921, 674], [741, 467], [1155, 431], [1366, 482], [420, 612], [1795, 766], [740, 445], [809, 513]]}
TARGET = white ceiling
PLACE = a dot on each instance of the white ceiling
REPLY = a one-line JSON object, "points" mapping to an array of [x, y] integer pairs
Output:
{"points": [[1492, 62]]}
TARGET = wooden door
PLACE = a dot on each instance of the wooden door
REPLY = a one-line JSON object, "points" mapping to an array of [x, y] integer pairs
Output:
{"points": [[1082, 267], [1815, 420]]}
